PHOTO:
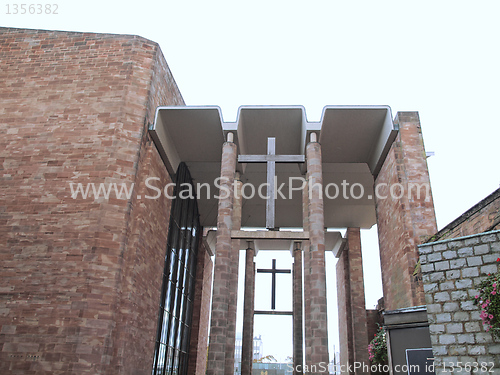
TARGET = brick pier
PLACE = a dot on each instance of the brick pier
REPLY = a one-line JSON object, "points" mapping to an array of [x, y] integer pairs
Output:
{"points": [[353, 332], [317, 277], [223, 267], [248, 311], [298, 339]]}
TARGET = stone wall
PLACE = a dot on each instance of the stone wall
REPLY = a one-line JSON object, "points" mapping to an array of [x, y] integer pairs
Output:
{"points": [[406, 222], [81, 278], [451, 271]]}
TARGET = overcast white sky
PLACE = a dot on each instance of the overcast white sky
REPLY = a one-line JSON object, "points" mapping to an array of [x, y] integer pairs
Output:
{"points": [[438, 57]]}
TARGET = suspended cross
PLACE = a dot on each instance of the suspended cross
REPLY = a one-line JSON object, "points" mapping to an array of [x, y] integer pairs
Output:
{"points": [[273, 271], [271, 159]]}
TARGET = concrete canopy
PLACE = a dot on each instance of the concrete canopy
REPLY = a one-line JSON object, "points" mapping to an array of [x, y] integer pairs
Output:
{"points": [[355, 141]]}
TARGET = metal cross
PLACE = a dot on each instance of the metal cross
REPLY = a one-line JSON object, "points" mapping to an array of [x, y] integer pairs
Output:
{"points": [[271, 159], [273, 271]]}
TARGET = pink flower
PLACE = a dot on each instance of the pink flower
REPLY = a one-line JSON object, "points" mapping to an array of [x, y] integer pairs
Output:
{"points": [[490, 316], [477, 297], [494, 292]]}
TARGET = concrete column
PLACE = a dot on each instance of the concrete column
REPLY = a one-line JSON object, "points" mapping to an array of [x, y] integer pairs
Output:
{"points": [[248, 312], [317, 274], [223, 264], [298, 339], [233, 284]]}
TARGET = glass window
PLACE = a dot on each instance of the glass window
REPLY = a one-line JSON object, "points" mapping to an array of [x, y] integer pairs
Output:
{"points": [[176, 308]]}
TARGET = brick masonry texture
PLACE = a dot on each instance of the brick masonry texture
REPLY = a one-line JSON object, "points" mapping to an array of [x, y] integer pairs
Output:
{"points": [[404, 223], [81, 278], [307, 272], [482, 217], [344, 308], [233, 282], [374, 319], [298, 316], [317, 324], [200, 323], [353, 329], [221, 319], [451, 272]]}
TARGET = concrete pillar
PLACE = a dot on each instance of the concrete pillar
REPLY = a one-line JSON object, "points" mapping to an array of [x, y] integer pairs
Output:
{"points": [[317, 274], [223, 264], [248, 312], [298, 339], [233, 284]]}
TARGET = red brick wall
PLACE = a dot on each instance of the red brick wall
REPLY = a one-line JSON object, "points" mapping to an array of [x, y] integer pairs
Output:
{"points": [[141, 271], [199, 330], [373, 317], [358, 308], [344, 309], [406, 222], [482, 217], [80, 277], [353, 336]]}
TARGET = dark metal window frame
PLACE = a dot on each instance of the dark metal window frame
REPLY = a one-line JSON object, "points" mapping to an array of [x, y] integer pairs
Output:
{"points": [[176, 304]]}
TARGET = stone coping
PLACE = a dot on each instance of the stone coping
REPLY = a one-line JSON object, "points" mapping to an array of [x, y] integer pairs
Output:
{"points": [[406, 310], [459, 238]]}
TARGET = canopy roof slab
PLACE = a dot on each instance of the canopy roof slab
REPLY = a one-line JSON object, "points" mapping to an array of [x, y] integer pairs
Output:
{"points": [[355, 141]]}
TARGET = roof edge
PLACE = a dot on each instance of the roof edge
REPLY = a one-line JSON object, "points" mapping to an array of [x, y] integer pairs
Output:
{"points": [[466, 215], [6, 29]]}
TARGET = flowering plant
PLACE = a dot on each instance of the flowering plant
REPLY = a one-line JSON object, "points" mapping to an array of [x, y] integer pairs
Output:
{"points": [[488, 300], [377, 349]]}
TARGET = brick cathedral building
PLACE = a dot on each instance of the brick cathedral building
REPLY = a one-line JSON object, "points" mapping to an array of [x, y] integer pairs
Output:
{"points": [[82, 278], [122, 284]]}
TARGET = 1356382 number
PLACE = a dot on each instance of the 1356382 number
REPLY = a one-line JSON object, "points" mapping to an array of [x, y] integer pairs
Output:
{"points": [[469, 367], [17, 8]]}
